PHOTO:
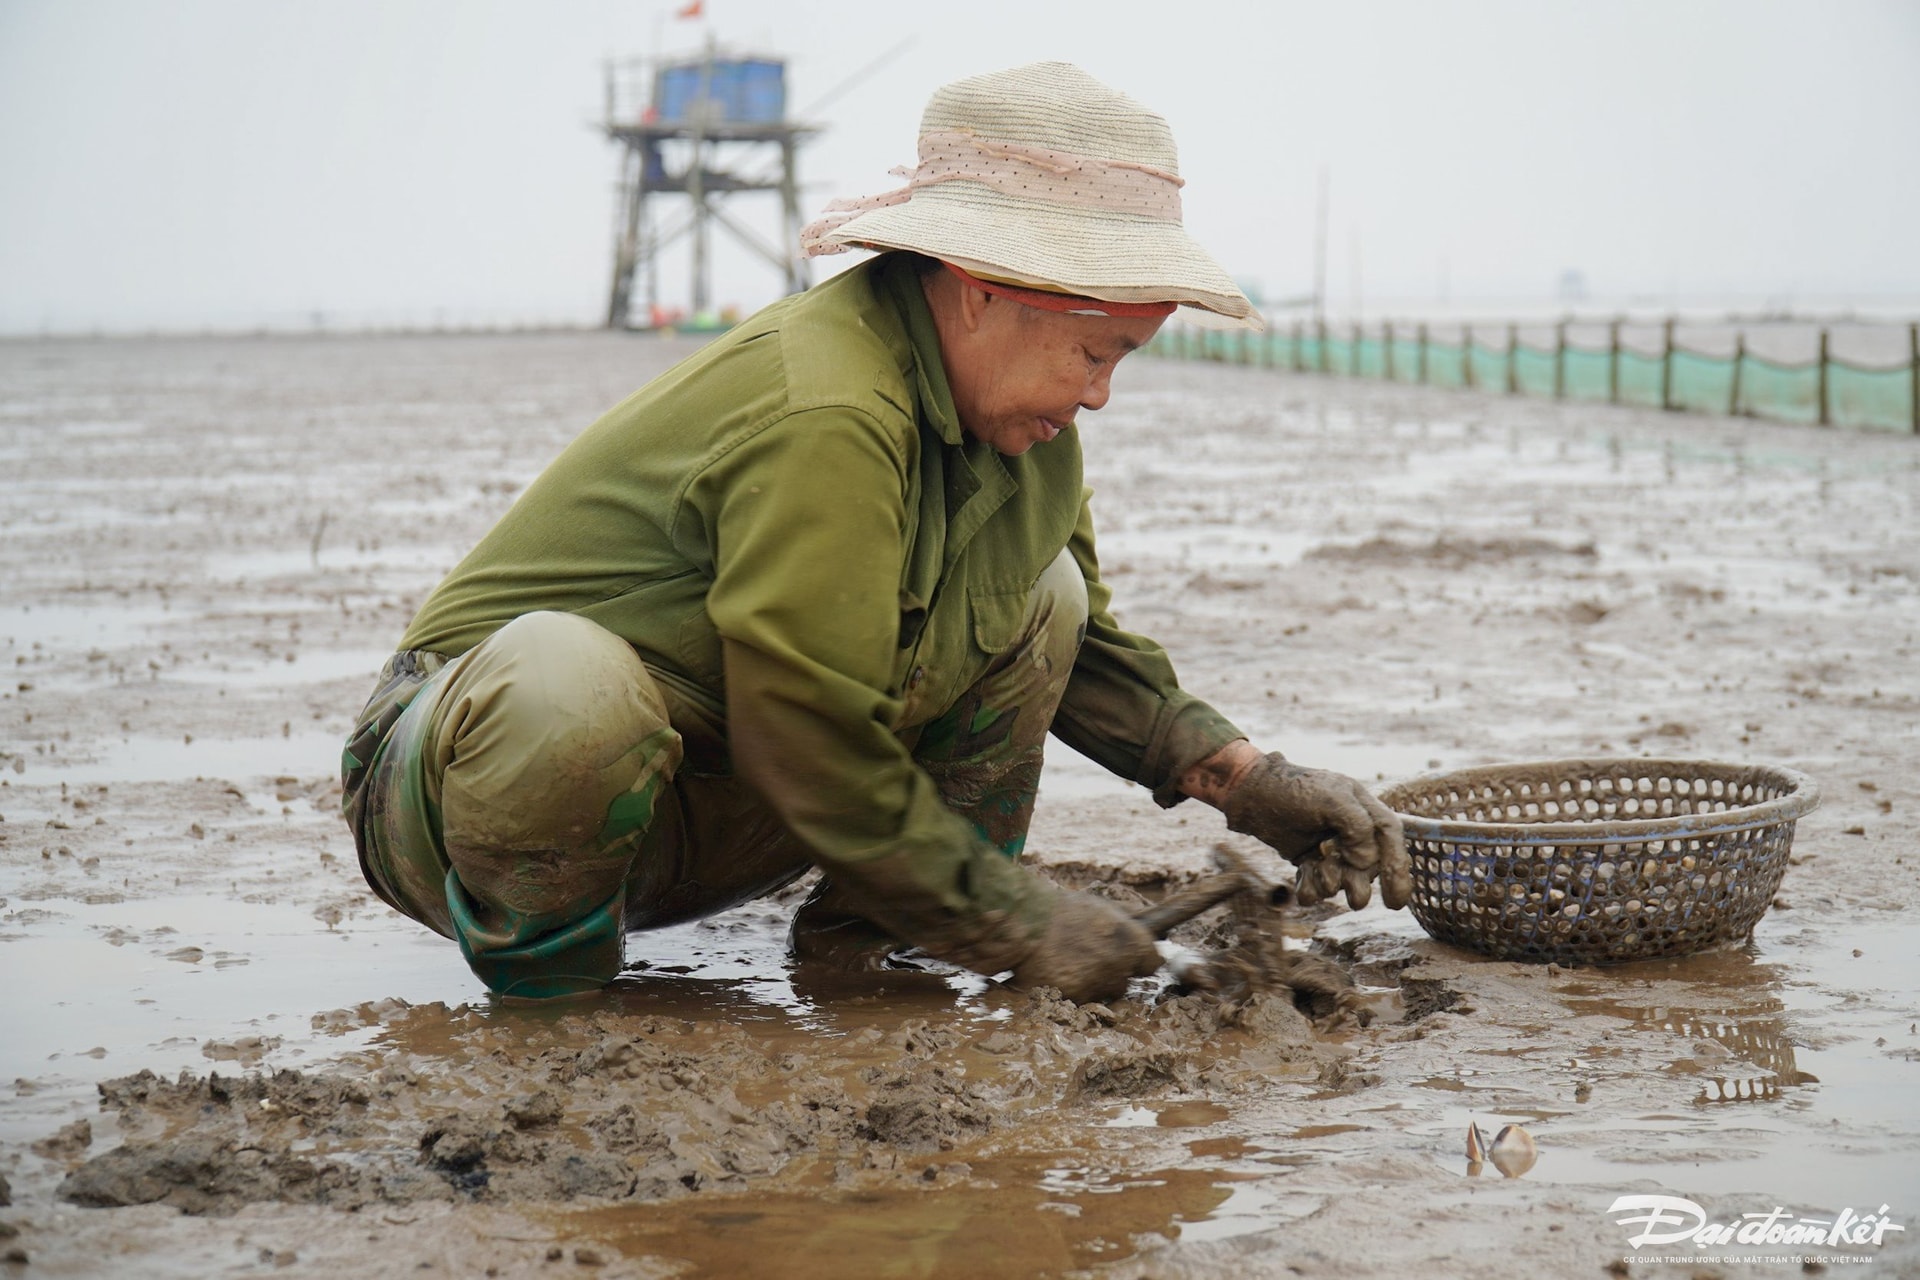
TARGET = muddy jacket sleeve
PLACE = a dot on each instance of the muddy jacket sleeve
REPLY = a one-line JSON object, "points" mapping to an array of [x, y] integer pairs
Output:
{"points": [[1124, 706], [808, 521]]}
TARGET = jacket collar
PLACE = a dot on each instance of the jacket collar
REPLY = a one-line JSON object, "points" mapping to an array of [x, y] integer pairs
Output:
{"points": [[901, 282]]}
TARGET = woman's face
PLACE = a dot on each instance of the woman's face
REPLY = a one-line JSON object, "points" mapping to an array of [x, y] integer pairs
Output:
{"points": [[1020, 375]]}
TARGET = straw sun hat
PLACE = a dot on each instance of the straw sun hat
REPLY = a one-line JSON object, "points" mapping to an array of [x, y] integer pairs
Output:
{"points": [[1045, 178]]}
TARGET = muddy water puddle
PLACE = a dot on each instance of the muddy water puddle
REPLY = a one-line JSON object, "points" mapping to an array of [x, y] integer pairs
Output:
{"points": [[156, 982], [1012, 1216], [1775, 1073]]}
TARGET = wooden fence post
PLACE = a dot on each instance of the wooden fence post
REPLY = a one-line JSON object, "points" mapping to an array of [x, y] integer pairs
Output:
{"points": [[1826, 409], [1666, 366], [1513, 359], [1560, 361], [1421, 374], [1613, 362], [1739, 358]]}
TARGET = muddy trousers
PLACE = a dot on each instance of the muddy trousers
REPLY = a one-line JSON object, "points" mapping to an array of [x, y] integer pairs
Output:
{"points": [[528, 800]]}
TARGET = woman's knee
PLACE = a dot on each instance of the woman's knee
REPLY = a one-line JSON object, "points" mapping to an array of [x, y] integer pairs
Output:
{"points": [[545, 724], [1057, 610]]}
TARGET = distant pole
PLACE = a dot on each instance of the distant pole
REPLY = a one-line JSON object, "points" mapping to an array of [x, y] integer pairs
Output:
{"points": [[1325, 362], [1826, 409], [1353, 265], [1739, 359], [1320, 253], [1466, 355], [1422, 375], [1913, 367], [1666, 366], [1354, 354], [697, 186], [1295, 362], [1560, 361], [1513, 359], [1613, 362], [1386, 327]]}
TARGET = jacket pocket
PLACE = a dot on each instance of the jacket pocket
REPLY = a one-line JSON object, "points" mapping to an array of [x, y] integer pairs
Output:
{"points": [[997, 616]]}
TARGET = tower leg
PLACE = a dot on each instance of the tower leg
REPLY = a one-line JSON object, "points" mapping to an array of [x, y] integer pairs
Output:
{"points": [[790, 208], [626, 246]]}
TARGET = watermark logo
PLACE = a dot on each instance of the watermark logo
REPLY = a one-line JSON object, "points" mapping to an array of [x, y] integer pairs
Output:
{"points": [[1670, 1220]]}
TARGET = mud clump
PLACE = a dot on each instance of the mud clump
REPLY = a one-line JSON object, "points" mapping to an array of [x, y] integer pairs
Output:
{"points": [[67, 1143], [1425, 997], [621, 1108], [925, 1109], [205, 1174], [538, 1110]]}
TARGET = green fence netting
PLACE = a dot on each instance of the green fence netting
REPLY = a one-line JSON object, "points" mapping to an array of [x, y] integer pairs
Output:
{"points": [[1831, 391], [1859, 397], [1701, 383]]}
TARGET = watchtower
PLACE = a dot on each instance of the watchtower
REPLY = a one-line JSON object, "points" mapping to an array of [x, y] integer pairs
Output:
{"points": [[705, 127]]}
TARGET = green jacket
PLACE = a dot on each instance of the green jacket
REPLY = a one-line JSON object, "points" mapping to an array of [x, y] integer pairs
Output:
{"points": [[810, 555]]}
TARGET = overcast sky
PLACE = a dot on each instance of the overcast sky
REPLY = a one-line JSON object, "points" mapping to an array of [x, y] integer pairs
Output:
{"points": [[231, 163]]}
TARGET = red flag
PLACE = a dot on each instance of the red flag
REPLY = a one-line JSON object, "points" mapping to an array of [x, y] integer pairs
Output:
{"points": [[691, 10]]}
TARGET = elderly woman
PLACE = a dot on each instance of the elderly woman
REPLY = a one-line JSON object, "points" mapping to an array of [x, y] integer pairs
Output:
{"points": [[816, 596]]}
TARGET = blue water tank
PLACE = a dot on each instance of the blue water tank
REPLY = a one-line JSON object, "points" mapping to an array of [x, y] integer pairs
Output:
{"points": [[737, 91]]}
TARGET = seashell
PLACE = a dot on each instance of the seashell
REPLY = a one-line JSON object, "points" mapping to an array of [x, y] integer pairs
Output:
{"points": [[1513, 1152], [1476, 1145]]}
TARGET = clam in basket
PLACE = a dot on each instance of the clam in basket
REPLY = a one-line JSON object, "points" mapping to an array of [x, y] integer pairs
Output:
{"points": [[1598, 861]]}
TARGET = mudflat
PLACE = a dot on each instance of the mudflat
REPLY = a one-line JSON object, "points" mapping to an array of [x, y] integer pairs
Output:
{"points": [[223, 1055]]}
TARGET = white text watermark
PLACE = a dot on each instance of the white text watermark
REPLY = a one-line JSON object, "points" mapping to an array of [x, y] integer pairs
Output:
{"points": [[1671, 1220]]}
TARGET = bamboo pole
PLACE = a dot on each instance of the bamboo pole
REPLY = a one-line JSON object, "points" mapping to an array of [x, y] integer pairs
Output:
{"points": [[1739, 359], [1613, 362], [1666, 366], [1826, 409], [1513, 359]]}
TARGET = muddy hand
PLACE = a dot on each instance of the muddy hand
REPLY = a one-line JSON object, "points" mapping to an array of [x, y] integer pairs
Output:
{"points": [[1329, 826], [1090, 949]]}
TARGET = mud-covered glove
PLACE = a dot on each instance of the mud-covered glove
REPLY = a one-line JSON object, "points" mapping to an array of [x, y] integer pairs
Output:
{"points": [[1088, 947], [1327, 825], [1089, 950]]}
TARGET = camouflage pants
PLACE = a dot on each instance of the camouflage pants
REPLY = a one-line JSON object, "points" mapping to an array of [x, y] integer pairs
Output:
{"points": [[529, 799]]}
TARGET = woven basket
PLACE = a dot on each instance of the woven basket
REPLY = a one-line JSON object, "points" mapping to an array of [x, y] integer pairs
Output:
{"points": [[1596, 861]]}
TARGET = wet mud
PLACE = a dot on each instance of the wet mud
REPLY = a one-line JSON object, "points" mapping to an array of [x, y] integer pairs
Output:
{"points": [[223, 1056], [652, 1108]]}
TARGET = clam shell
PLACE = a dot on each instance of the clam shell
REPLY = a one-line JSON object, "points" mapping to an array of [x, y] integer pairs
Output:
{"points": [[1513, 1152]]}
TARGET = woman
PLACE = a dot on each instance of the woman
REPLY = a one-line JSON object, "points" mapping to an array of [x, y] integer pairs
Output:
{"points": [[816, 596]]}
